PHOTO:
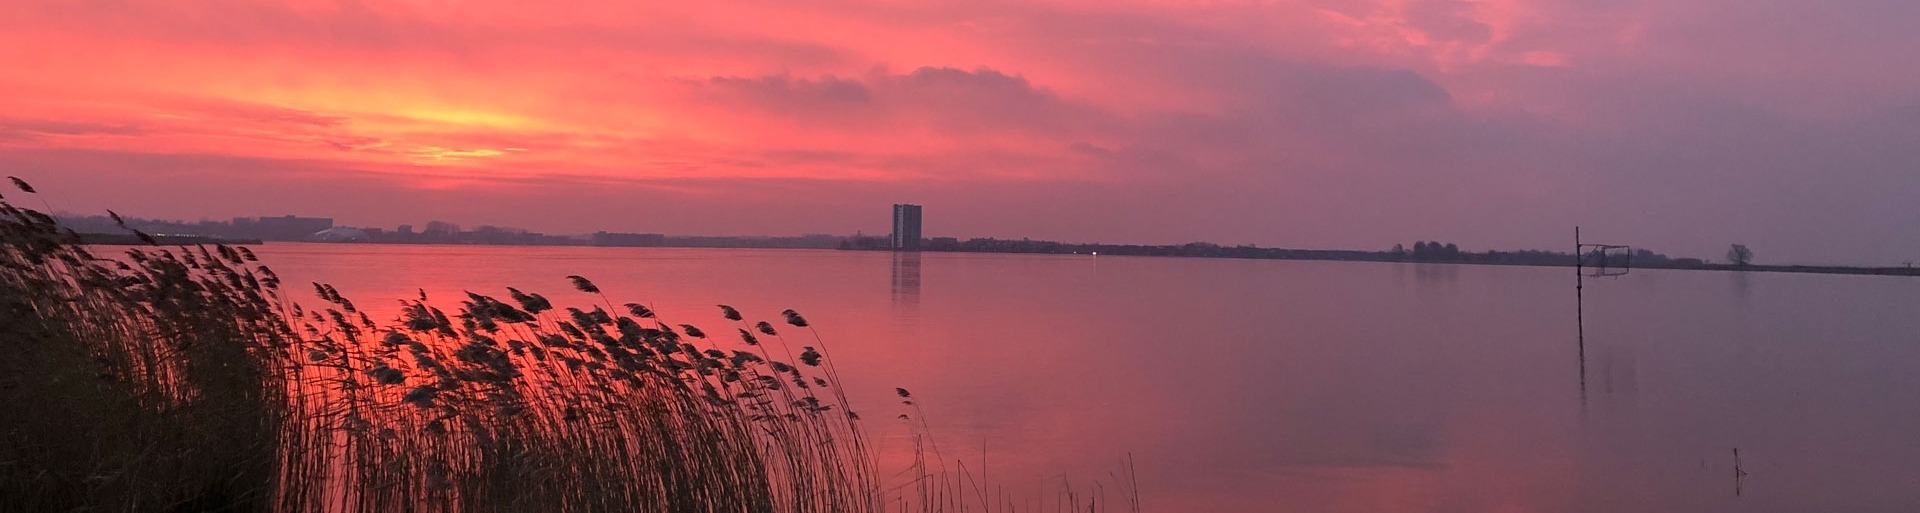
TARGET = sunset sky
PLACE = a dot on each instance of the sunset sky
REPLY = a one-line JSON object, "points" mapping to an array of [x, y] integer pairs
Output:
{"points": [[1676, 125]]}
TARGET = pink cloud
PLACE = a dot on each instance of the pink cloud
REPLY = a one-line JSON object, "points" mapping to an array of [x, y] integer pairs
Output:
{"points": [[1311, 123]]}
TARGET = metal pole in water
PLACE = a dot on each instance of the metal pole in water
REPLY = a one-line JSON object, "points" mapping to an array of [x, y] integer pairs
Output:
{"points": [[1739, 473], [1580, 312]]}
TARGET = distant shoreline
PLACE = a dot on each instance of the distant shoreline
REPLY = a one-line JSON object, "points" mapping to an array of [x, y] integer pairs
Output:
{"points": [[1521, 258], [1799, 269], [128, 239]]}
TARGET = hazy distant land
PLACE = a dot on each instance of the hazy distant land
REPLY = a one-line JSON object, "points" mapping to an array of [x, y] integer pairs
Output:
{"points": [[102, 230]]}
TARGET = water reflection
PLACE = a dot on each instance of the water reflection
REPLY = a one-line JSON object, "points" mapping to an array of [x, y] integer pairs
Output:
{"points": [[906, 281], [1617, 369], [1580, 333], [1438, 275], [1253, 386], [1619, 375], [1742, 284]]}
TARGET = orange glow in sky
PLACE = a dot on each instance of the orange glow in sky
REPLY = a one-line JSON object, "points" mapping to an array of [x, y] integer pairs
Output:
{"points": [[1121, 121]]}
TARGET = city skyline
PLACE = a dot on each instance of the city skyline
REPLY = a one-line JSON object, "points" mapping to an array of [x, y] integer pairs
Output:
{"points": [[1685, 125]]}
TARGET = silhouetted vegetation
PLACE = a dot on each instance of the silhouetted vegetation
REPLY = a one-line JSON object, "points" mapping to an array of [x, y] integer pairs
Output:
{"points": [[187, 379], [866, 243], [1423, 251], [1739, 255]]}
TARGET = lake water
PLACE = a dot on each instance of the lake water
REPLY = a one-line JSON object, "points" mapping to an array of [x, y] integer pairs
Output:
{"points": [[1240, 385]]}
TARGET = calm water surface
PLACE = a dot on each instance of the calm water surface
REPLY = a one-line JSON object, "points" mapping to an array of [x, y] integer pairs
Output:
{"points": [[1303, 386]]}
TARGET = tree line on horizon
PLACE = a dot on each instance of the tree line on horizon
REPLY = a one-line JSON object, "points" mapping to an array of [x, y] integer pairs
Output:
{"points": [[1737, 256], [1422, 251]]}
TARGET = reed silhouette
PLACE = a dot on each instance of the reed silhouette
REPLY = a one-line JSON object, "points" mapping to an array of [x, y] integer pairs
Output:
{"points": [[190, 379]]}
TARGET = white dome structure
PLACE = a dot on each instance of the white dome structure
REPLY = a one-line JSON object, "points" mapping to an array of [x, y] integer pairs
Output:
{"points": [[340, 234]]}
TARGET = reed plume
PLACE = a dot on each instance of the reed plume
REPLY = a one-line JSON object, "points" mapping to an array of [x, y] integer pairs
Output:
{"points": [[188, 379]]}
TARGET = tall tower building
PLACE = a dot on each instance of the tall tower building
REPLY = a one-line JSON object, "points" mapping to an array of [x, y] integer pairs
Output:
{"points": [[906, 227]]}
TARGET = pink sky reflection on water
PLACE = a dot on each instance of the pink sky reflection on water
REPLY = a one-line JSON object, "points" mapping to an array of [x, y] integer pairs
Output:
{"points": [[1296, 386]]}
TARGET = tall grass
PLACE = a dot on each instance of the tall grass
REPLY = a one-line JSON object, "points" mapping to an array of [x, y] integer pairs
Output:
{"points": [[155, 383], [190, 379]]}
